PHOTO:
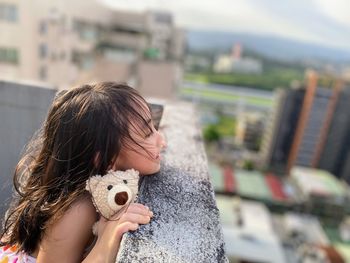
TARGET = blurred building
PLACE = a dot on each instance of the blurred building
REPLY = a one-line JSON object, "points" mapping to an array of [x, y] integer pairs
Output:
{"points": [[197, 63], [223, 64], [234, 62], [312, 123], [281, 128], [227, 64], [69, 42], [309, 128], [236, 51], [346, 73], [335, 156], [249, 131], [248, 231], [325, 195]]}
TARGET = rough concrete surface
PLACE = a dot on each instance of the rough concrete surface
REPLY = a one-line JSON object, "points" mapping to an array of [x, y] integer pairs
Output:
{"points": [[185, 226]]}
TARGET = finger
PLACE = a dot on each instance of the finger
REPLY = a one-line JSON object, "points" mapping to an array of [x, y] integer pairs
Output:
{"points": [[141, 206], [133, 210], [135, 218], [139, 209], [125, 227]]}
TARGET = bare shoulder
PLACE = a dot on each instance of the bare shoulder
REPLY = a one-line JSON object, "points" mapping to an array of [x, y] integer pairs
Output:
{"points": [[69, 236], [83, 207], [81, 211]]}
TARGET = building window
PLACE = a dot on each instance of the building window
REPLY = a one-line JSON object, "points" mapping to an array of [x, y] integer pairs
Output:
{"points": [[43, 27], [163, 18], [8, 55], [43, 73], [8, 12], [85, 31], [83, 60], [43, 50]]}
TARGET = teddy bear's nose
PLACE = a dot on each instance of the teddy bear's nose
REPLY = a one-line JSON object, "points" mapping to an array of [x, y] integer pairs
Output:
{"points": [[121, 198]]}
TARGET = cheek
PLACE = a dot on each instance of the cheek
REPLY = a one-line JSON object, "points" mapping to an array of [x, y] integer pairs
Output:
{"points": [[147, 147], [120, 160]]}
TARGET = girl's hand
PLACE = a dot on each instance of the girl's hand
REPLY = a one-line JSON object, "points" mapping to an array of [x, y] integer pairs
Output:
{"points": [[111, 231], [135, 214]]}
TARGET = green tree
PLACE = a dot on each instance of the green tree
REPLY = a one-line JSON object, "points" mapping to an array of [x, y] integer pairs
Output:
{"points": [[211, 134], [248, 165]]}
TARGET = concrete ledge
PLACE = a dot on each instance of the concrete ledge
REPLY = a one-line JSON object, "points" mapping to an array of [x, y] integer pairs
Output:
{"points": [[185, 226]]}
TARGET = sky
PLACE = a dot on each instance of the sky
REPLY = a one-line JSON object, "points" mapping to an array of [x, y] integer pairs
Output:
{"points": [[325, 22]]}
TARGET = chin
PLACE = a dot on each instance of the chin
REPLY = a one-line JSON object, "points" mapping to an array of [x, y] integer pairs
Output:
{"points": [[151, 172]]}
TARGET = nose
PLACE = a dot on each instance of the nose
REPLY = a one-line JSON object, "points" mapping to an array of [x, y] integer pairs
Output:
{"points": [[121, 198]]}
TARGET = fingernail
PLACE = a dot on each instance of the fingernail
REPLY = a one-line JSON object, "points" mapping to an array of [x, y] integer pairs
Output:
{"points": [[151, 213], [147, 207]]}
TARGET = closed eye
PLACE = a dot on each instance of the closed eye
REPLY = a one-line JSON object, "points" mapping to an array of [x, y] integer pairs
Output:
{"points": [[149, 126]]}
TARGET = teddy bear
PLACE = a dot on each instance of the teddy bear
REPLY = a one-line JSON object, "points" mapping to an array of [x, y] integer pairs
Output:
{"points": [[113, 192]]}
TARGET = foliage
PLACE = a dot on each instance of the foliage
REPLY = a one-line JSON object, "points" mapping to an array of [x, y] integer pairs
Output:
{"points": [[226, 127], [211, 133], [248, 165], [225, 96], [272, 78]]}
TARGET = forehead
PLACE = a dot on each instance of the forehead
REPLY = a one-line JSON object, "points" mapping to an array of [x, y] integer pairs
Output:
{"points": [[141, 119]]}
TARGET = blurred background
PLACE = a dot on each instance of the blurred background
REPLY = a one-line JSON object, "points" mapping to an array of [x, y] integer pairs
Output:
{"points": [[270, 80]]}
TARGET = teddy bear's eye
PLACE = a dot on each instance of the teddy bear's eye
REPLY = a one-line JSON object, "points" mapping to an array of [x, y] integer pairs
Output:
{"points": [[125, 181], [109, 187]]}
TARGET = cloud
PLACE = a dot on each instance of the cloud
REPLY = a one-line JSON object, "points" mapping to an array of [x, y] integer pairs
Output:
{"points": [[309, 19], [319, 21], [337, 10]]}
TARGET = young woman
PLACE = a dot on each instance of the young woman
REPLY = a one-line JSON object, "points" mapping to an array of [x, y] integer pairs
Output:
{"points": [[89, 130]]}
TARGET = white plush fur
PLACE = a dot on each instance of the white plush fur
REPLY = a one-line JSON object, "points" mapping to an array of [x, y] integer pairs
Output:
{"points": [[103, 198]]}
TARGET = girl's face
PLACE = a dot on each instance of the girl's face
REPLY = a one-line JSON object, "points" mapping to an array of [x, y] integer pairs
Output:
{"points": [[144, 157]]}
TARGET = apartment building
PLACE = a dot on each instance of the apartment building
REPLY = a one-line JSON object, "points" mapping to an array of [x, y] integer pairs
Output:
{"points": [[280, 129], [336, 151], [68, 42], [309, 128]]}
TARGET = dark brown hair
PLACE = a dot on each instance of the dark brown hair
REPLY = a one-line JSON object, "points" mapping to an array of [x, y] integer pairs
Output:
{"points": [[82, 123]]}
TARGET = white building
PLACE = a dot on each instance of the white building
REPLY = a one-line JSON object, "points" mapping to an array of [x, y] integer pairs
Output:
{"points": [[235, 63], [249, 130], [248, 231]]}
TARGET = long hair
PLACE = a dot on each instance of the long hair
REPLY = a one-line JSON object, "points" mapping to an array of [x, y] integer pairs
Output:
{"points": [[83, 123]]}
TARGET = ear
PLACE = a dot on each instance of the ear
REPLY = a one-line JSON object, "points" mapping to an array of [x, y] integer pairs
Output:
{"points": [[133, 173], [92, 182]]}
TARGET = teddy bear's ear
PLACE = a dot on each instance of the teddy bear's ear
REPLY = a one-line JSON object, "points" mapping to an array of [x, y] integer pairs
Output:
{"points": [[133, 173], [92, 182]]}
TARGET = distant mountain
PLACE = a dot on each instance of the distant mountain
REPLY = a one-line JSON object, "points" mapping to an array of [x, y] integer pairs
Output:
{"points": [[271, 46]]}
